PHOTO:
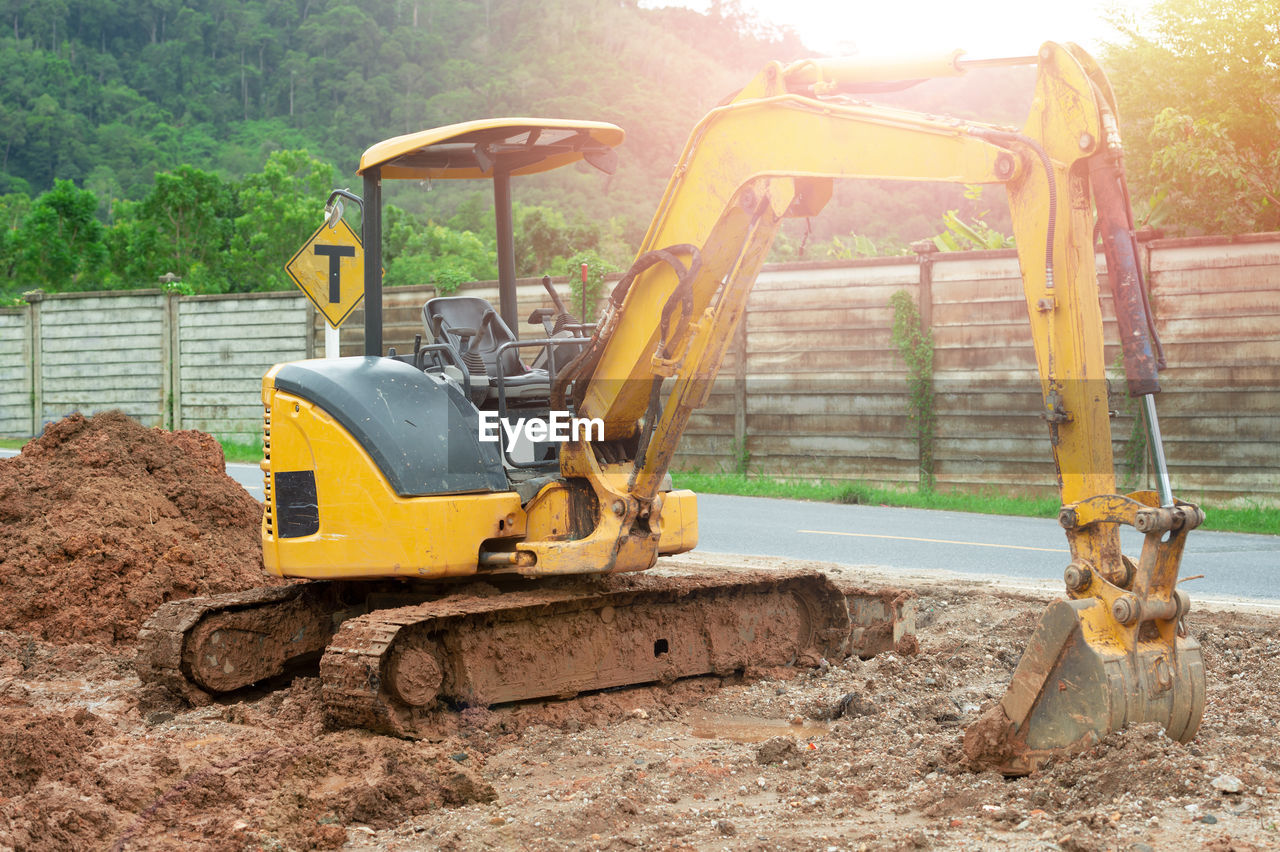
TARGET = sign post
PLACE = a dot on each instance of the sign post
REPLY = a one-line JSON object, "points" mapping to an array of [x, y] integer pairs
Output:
{"points": [[329, 270], [331, 344]]}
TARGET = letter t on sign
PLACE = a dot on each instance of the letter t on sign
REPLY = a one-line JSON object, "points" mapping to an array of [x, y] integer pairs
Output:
{"points": [[335, 255]]}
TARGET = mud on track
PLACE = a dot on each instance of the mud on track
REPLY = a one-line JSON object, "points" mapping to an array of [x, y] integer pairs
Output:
{"points": [[851, 755]]}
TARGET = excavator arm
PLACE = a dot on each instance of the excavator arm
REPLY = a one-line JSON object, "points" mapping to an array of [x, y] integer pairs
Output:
{"points": [[748, 165], [773, 152], [1112, 654]]}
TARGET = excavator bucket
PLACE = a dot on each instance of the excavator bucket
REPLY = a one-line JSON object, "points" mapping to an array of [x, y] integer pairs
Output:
{"points": [[1114, 655]]}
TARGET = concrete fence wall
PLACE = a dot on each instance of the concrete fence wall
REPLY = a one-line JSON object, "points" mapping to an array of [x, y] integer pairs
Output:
{"points": [[813, 385], [223, 345], [110, 348], [178, 362], [182, 362], [15, 372]]}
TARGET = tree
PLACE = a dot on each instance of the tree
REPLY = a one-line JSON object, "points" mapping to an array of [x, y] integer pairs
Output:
{"points": [[185, 223], [443, 257], [14, 207], [1199, 102], [193, 212], [543, 239], [282, 205], [132, 248], [585, 295], [59, 244], [110, 93]]}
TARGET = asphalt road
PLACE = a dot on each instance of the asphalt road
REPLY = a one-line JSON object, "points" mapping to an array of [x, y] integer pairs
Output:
{"points": [[1234, 564], [916, 540]]}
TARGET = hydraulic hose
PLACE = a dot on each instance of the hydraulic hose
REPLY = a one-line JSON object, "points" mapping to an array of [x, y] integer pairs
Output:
{"points": [[589, 356]]}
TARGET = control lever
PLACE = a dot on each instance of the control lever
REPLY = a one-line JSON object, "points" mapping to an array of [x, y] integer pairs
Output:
{"points": [[564, 319]]}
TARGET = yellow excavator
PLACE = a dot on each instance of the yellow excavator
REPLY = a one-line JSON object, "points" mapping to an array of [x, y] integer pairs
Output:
{"points": [[457, 556]]}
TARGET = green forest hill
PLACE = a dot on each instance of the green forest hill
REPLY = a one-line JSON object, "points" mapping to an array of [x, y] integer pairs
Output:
{"points": [[143, 137]]}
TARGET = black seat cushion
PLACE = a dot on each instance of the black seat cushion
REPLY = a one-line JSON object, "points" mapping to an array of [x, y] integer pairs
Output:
{"points": [[444, 313]]}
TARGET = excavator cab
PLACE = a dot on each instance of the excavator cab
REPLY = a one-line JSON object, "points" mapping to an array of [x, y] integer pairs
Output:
{"points": [[467, 337], [493, 149]]}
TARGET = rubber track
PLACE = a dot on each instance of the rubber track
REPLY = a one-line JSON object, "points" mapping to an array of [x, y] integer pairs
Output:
{"points": [[352, 666], [163, 636]]}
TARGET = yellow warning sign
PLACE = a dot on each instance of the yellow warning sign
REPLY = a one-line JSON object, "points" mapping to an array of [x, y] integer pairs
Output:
{"points": [[329, 268]]}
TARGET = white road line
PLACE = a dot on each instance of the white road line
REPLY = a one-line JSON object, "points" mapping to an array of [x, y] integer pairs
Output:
{"points": [[936, 540]]}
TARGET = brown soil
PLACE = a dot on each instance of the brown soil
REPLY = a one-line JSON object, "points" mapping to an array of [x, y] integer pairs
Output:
{"points": [[845, 756], [102, 520], [854, 755]]}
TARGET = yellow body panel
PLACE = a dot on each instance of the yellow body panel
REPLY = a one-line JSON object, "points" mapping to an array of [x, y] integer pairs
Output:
{"points": [[366, 529], [549, 517], [1066, 320], [679, 522], [833, 70]]}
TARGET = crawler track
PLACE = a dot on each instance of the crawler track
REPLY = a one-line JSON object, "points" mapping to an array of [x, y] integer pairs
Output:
{"points": [[384, 670], [395, 653], [165, 649]]}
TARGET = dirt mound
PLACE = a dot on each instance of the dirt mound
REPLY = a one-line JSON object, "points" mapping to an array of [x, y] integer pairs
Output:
{"points": [[102, 520], [37, 745], [281, 783]]}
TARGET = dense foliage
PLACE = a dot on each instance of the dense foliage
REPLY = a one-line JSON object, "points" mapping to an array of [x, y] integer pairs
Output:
{"points": [[1199, 96], [150, 136], [206, 133]]}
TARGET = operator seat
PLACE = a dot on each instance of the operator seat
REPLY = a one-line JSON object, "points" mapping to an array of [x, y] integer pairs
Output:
{"points": [[443, 314]]}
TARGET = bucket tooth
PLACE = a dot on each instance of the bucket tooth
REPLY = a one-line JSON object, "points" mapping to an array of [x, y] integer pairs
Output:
{"points": [[1078, 682]]}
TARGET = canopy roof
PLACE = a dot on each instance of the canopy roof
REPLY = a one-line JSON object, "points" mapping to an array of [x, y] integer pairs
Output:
{"points": [[520, 146]]}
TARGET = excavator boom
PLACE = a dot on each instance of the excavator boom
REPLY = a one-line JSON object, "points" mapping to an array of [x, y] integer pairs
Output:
{"points": [[1114, 654]]}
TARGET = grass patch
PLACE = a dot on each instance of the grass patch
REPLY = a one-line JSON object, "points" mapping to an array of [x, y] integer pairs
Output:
{"points": [[246, 452], [757, 486], [1251, 519], [988, 502], [984, 502], [12, 443], [1254, 518]]}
